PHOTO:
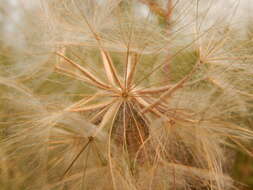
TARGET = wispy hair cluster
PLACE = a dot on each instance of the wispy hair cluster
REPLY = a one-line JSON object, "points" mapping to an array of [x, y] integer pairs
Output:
{"points": [[114, 94]]}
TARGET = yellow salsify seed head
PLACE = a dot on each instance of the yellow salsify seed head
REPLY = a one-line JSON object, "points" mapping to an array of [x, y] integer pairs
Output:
{"points": [[123, 100]]}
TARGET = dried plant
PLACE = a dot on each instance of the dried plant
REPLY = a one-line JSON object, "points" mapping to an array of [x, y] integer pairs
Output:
{"points": [[104, 111]]}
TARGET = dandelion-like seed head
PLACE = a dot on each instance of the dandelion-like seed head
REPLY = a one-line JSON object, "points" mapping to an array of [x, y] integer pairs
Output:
{"points": [[128, 102]]}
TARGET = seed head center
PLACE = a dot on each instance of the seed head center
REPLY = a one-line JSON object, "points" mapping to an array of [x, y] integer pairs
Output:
{"points": [[124, 94]]}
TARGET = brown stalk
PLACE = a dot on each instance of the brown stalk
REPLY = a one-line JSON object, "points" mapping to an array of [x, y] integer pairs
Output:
{"points": [[155, 8]]}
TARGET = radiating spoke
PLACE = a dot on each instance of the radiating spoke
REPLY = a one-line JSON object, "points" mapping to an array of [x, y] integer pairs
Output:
{"points": [[85, 167], [93, 79], [77, 156], [170, 91], [145, 104], [92, 107], [154, 90], [70, 74], [140, 127], [109, 116], [131, 69], [110, 70], [85, 101]]}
